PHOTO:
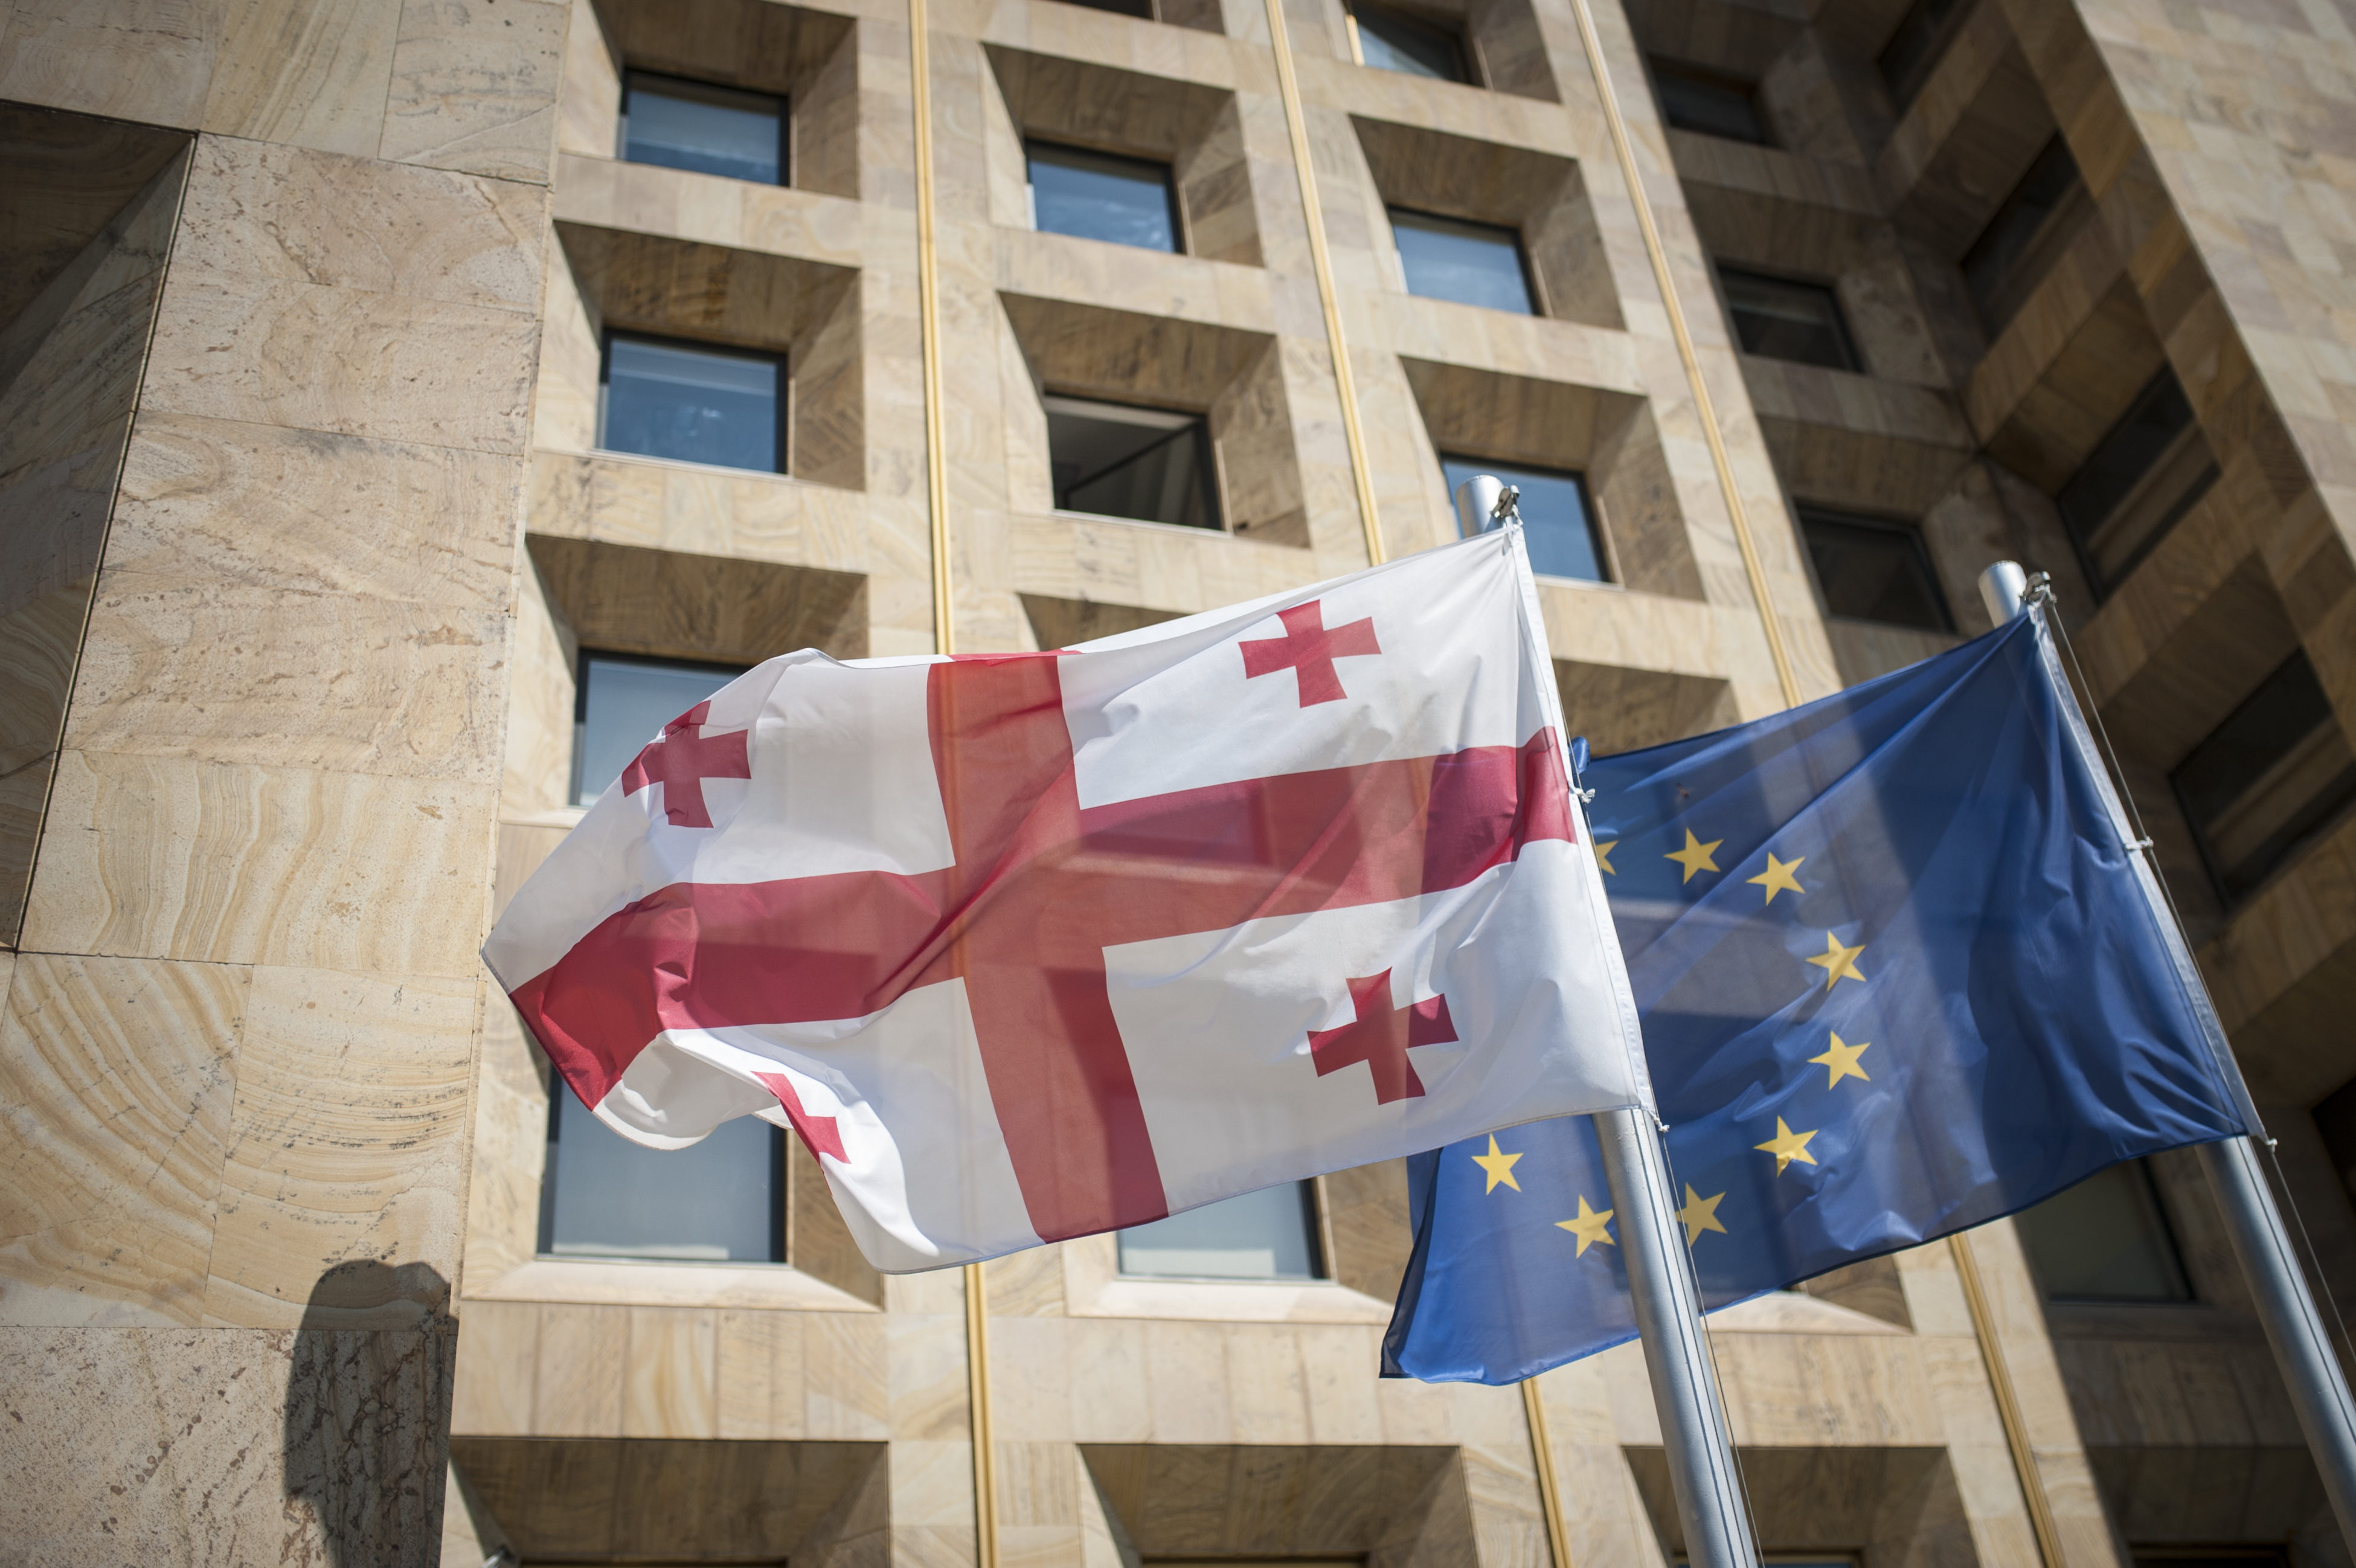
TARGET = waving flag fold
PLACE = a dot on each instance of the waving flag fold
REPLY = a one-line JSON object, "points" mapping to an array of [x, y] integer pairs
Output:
{"points": [[1030, 946]]}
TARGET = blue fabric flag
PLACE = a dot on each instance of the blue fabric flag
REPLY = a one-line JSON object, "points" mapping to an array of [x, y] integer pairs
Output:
{"points": [[1900, 973]]}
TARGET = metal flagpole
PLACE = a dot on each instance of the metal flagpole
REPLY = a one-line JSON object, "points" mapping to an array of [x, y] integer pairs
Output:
{"points": [[2302, 1347], [1667, 1302]]}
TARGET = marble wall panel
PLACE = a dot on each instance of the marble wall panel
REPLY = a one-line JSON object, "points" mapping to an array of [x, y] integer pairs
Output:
{"points": [[474, 88], [306, 73]]}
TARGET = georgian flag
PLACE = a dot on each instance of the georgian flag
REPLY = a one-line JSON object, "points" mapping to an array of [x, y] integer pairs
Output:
{"points": [[1032, 946]]}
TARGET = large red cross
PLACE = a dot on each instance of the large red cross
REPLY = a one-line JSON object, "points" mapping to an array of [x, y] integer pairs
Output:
{"points": [[1380, 1036], [1307, 649], [1039, 890], [682, 760]]}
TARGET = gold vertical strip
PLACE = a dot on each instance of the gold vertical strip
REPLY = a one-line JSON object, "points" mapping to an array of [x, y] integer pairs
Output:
{"points": [[1549, 1491], [2008, 1403], [1679, 330], [929, 310], [985, 1456], [1298, 122]]}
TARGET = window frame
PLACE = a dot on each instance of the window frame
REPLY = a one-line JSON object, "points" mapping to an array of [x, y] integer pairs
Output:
{"points": [[582, 656], [544, 1235], [1208, 470], [785, 122], [1855, 365], [785, 400], [1459, 37], [1182, 241], [1662, 66], [1320, 1259], [1803, 510], [1531, 289]]}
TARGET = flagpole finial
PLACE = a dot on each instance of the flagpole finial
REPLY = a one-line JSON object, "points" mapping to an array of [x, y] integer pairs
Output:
{"points": [[2004, 588], [1485, 502]]}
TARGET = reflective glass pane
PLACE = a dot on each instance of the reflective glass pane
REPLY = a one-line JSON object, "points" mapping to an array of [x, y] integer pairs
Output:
{"points": [[715, 1202], [1119, 461], [1782, 319], [1098, 195], [1472, 263], [1558, 523], [1266, 1235], [624, 703], [1871, 570], [698, 405], [2103, 1239], [2276, 770], [1708, 105], [1389, 41], [707, 129]]}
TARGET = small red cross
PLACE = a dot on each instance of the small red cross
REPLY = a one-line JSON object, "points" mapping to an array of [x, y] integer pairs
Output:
{"points": [[1307, 649], [820, 1134], [1380, 1036], [681, 761]]}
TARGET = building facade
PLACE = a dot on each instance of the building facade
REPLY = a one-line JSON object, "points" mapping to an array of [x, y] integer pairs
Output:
{"points": [[402, 400]]}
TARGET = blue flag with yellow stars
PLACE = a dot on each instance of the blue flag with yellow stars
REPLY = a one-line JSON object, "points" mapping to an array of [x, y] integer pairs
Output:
{"points": [[1900, 972]]}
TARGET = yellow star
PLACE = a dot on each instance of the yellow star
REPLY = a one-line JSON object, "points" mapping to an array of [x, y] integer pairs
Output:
{"points": [[1700, 1214], [1499, 1167], [1841, 1060], [1838, 963], [1787, 1145], [1694, 857], [1777, 877], [1588, 1228], [1603, 848]]}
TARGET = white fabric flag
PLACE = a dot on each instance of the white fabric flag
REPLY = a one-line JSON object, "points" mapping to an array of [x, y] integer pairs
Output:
{"points": [[1032, 946]]}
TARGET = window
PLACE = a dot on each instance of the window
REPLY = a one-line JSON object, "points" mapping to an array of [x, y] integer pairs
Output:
{"points": [[697, 404], [1472, 263], [1558, 520], [1141, 9], [1871, 570], [1708, 103], [1119, 461], [2261, 1555], [621, 703], [718, 1201], [1270, 1234], [2020, 242], [1782, 319], [703, 129], [1908, 58], [2151, 468], [1392, 40], [2276, 770], [1100, 196], [2105, 1240]]}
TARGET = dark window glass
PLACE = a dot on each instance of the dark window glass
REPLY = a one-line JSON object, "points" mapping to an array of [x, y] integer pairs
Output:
{"points": [[2335, 1118], [1912, 51], [1472, 263], [705, 129], [718, 1201], [1141, 9], [2013, 252], [2105, 1240], [1142, 463], [1558, 522], [622, 704], [1708, 103], [1270, 1234], [1785, 320], [2276, 770], [692, 404], [1098, 195], [2151, 468], [1871, 570], [1390, 41], [2260, 1556]]}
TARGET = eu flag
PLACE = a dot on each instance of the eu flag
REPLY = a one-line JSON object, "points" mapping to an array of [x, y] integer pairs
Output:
{"points": [[1900, 972]]}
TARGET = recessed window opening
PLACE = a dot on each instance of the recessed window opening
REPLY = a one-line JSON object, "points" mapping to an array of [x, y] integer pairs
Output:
{"points": [[1270, 1234], [621, 703], [1708, 104], [1915, 47], [1118, 460], [719, 1201], [703, 128], [2267, 779], [1472, 263], [1413, 46], [1102, 196], [2106, 1239], [660, 398], [1141, 9], [1873, 570], [2019, 244], [1558, 516], [1782, 318], [2151, 470], [2262, 1554]]}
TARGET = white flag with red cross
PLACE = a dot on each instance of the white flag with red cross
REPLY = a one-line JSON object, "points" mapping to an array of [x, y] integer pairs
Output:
{"points": [[1031, 946]]}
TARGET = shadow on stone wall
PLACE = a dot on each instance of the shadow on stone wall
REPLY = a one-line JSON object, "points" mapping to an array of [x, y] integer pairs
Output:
{"points": [[367, 1429]]}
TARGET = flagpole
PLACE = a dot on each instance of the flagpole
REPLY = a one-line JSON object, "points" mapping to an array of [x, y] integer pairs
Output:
{"points": [[2310, 1369], [1661, 1287]]}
